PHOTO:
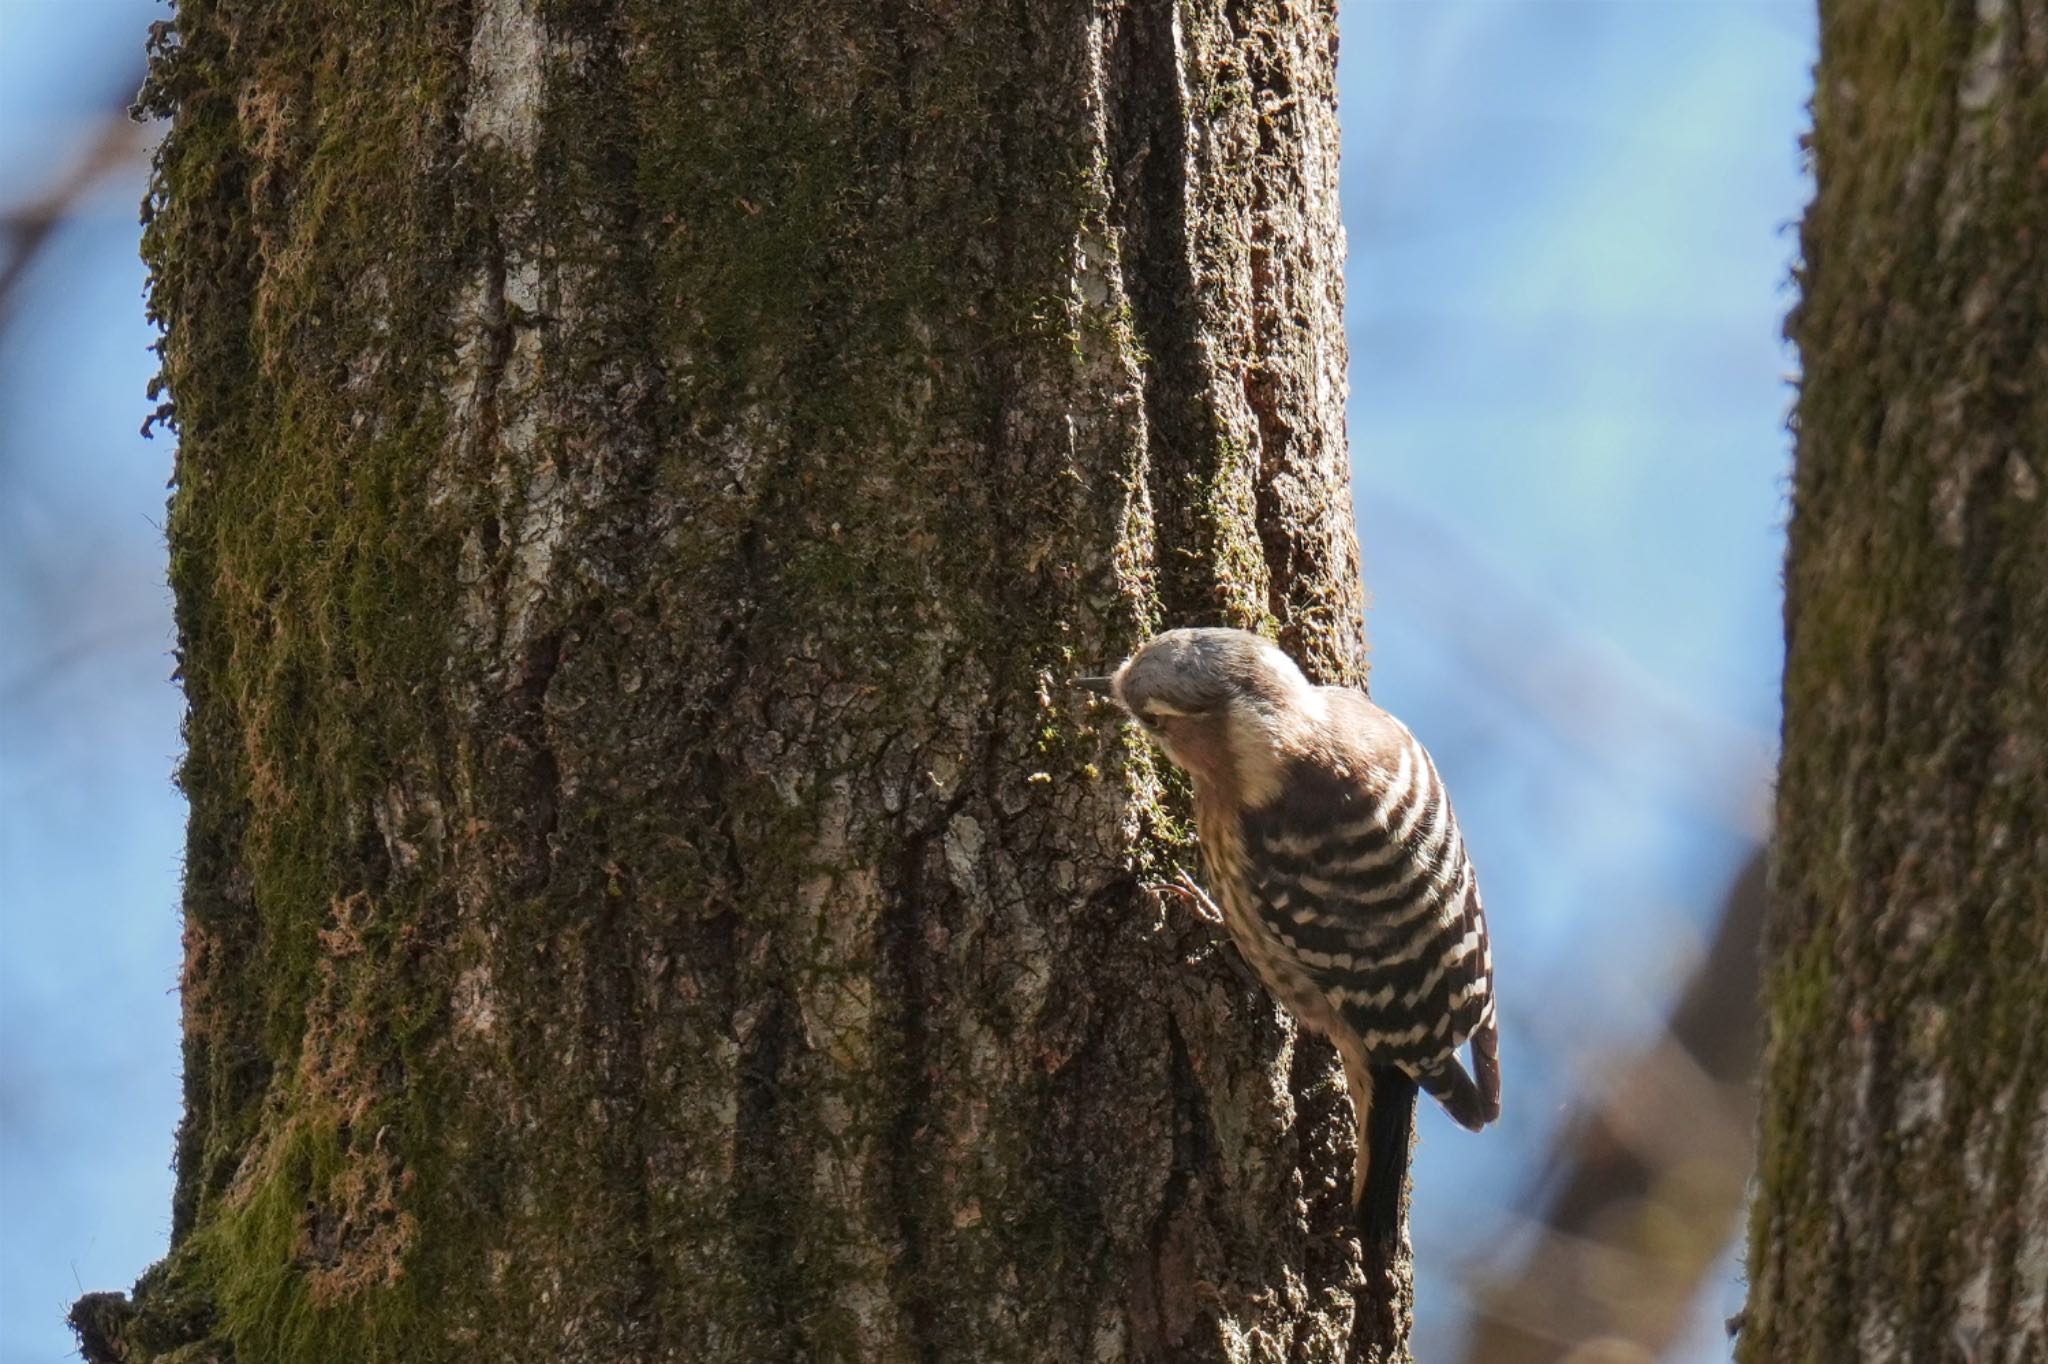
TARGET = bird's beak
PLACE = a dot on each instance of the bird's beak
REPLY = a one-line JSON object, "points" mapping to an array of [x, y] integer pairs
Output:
{"points": [[1095, 686]]}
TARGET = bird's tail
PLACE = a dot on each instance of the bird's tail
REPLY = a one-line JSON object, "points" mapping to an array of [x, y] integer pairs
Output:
{"points": [[1451, 1086], [1385, 1099], [1486, 1067]]}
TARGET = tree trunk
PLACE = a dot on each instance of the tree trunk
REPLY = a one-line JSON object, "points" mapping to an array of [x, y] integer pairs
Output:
{"points": [[1902, 1205], [646, 472]]}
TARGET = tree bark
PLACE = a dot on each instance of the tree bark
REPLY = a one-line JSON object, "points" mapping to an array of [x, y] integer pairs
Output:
{"points": [[645, 474], [1901, 1211]]}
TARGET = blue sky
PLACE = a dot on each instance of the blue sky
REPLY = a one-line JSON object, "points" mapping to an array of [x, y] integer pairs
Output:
{"points": [[1569, 252], [1570, 242], [91, 836]]}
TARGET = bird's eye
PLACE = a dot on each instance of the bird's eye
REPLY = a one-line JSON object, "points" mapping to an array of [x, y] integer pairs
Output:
{"points": [[1151, 720]]}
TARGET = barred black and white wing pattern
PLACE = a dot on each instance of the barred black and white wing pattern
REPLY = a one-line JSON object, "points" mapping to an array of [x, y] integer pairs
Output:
{"points": [[1361, 882]]}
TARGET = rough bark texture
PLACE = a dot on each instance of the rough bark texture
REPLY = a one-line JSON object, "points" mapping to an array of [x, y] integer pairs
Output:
{"points": [[1902, 1205], [646, 471]]}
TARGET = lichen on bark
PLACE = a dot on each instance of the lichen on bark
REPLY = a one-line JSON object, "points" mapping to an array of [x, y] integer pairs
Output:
{"points": [[645, 475]]}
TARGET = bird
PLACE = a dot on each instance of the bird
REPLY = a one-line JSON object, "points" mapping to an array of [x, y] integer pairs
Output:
{"points": [[1328, 837]]}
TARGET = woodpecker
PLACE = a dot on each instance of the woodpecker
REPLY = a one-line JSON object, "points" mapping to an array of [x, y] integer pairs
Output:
{"points": [[1329, 841]]}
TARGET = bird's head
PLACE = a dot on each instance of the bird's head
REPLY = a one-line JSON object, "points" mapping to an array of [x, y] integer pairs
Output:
{"points": [[1220, 702]]}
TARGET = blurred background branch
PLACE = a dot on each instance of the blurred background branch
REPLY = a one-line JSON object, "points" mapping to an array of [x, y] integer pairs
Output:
{"points": [[1642, 1188], [117, 143]]}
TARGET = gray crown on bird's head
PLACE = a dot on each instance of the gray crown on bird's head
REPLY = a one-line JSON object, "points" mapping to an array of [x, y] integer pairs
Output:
{"points": [[1201, 671]]}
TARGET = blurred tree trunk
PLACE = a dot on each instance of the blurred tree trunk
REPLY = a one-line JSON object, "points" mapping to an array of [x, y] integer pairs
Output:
{"points": [[1902, 1204], [645, 473]]}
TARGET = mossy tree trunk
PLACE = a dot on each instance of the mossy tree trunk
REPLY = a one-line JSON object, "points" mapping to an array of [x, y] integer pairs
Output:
{"points": [[1902, 1205], [646, 471]]}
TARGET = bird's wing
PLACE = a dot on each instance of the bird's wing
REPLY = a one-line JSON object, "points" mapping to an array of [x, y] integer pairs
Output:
{"points": [[1359, 872]]}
